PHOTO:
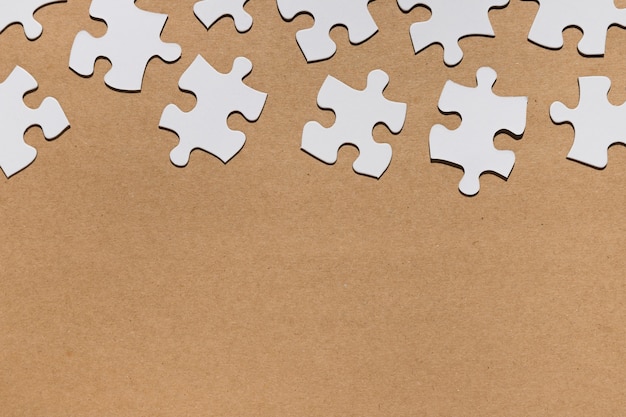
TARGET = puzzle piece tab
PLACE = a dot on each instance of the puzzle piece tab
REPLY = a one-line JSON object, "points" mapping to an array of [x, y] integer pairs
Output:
{"points": [[316, 43], [593, 17], [357, 112], [219, 95], [132, 39], [597, 123], [483, 115], [22, 11], [210, 11], [16, 118], [451, 20]]}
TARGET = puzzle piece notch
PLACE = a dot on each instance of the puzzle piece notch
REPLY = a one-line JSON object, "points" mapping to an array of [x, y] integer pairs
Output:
{"points": [[357, 112], [597, 123], [451, 20], [22, 11], [16, 118], [133, 38], [593, 17], [210, 11], [315, 42], [483, 115], [218, 96]]}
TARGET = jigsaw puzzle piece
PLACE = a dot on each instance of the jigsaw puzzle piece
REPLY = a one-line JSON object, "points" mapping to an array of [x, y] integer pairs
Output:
{"points": [[357, 112], [22, 11], [315, 42], [218, 96], [597, 123], [132, 40], [451, 20], [445, 146], [16, 118], [373, 160], [483, 115], [210, 11], [593, 17]]}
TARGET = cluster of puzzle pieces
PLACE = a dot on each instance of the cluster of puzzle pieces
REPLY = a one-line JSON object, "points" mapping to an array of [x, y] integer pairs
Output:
{"points": [[133, 38]]}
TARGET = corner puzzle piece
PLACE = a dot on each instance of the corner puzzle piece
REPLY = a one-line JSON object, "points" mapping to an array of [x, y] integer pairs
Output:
{"points": [[132, 39], [483, 115], [16, 118], [451, 20], [210, 11], [593, 17], [357, 112], [22, 11], [219, 95], [315, 42], [597, 123]]}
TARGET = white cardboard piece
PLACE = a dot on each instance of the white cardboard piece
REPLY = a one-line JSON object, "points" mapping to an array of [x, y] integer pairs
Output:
{"points": [[219, 95], [210, 11], [16, 118], [132, 39], [483, 115], [451, 20], [597, 123], [357, 112], [593, 17], [315, 42], [22, 11]]}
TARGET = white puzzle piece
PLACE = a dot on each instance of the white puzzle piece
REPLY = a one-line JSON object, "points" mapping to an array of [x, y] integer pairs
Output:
{"points": [[593, 17], [210, 11], [219, 95], [315, 42], [483, 115], [357, 112], [16, 118], [451, 20], [597, 123], [132, 39], [22, 11]]}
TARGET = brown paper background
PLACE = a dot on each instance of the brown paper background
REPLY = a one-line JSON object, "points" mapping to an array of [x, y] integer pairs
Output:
{"points": [[277, 285]]}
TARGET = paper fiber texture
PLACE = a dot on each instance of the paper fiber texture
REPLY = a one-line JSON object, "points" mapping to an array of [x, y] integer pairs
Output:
{"points": [[279, 286]]}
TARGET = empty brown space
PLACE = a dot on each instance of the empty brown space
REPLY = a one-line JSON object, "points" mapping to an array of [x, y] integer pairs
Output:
{"points": [[279, 286]]}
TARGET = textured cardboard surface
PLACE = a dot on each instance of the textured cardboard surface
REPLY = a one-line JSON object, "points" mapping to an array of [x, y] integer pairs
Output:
{"points": [[279, 286]]}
